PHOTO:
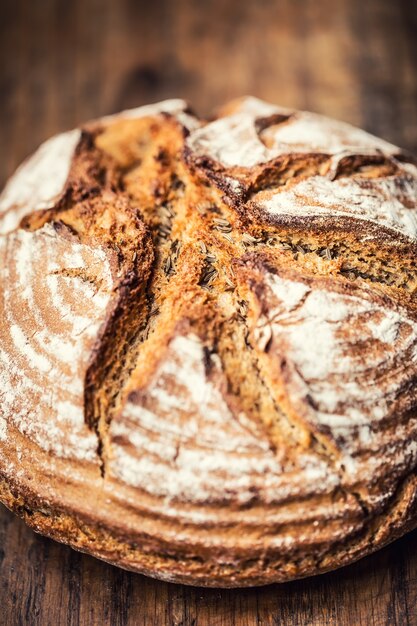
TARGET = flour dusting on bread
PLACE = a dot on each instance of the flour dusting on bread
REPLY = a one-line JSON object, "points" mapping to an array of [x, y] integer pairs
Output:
{"points": [[208, 354]]}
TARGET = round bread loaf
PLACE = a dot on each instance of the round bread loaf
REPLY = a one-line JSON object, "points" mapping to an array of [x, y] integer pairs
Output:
{"points": [[208, 354]]}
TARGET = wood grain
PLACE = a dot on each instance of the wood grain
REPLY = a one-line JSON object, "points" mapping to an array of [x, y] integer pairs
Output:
{"points": [[64, 62]]}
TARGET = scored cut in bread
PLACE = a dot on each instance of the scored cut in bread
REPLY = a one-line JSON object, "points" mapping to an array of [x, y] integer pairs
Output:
{"points": [[208, 345]]}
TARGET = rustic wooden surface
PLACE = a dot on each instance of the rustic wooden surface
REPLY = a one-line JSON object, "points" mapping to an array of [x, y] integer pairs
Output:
{"points": [[63, 62]]}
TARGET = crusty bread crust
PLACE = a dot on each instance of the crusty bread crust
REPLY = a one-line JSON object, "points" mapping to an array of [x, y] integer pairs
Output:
{"points": [[132, 553], [208, 353]]}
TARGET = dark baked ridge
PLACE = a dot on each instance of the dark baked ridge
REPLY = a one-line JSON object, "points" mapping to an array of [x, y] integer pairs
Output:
{"points": [[302, 180], [207, 461]]}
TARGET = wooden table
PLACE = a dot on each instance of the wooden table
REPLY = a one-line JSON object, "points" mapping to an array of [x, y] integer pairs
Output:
{"points": [[64, 62]]}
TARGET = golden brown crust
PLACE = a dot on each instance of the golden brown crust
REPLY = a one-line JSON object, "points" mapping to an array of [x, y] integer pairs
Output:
{"points": [[177, 566], [209, 348]]}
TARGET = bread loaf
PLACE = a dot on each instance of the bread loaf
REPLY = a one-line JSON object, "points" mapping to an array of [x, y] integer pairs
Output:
{"points": [[208, 354]]}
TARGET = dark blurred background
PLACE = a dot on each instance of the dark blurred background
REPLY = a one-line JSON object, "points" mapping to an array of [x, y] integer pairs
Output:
{"points": [[63, 61]]}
